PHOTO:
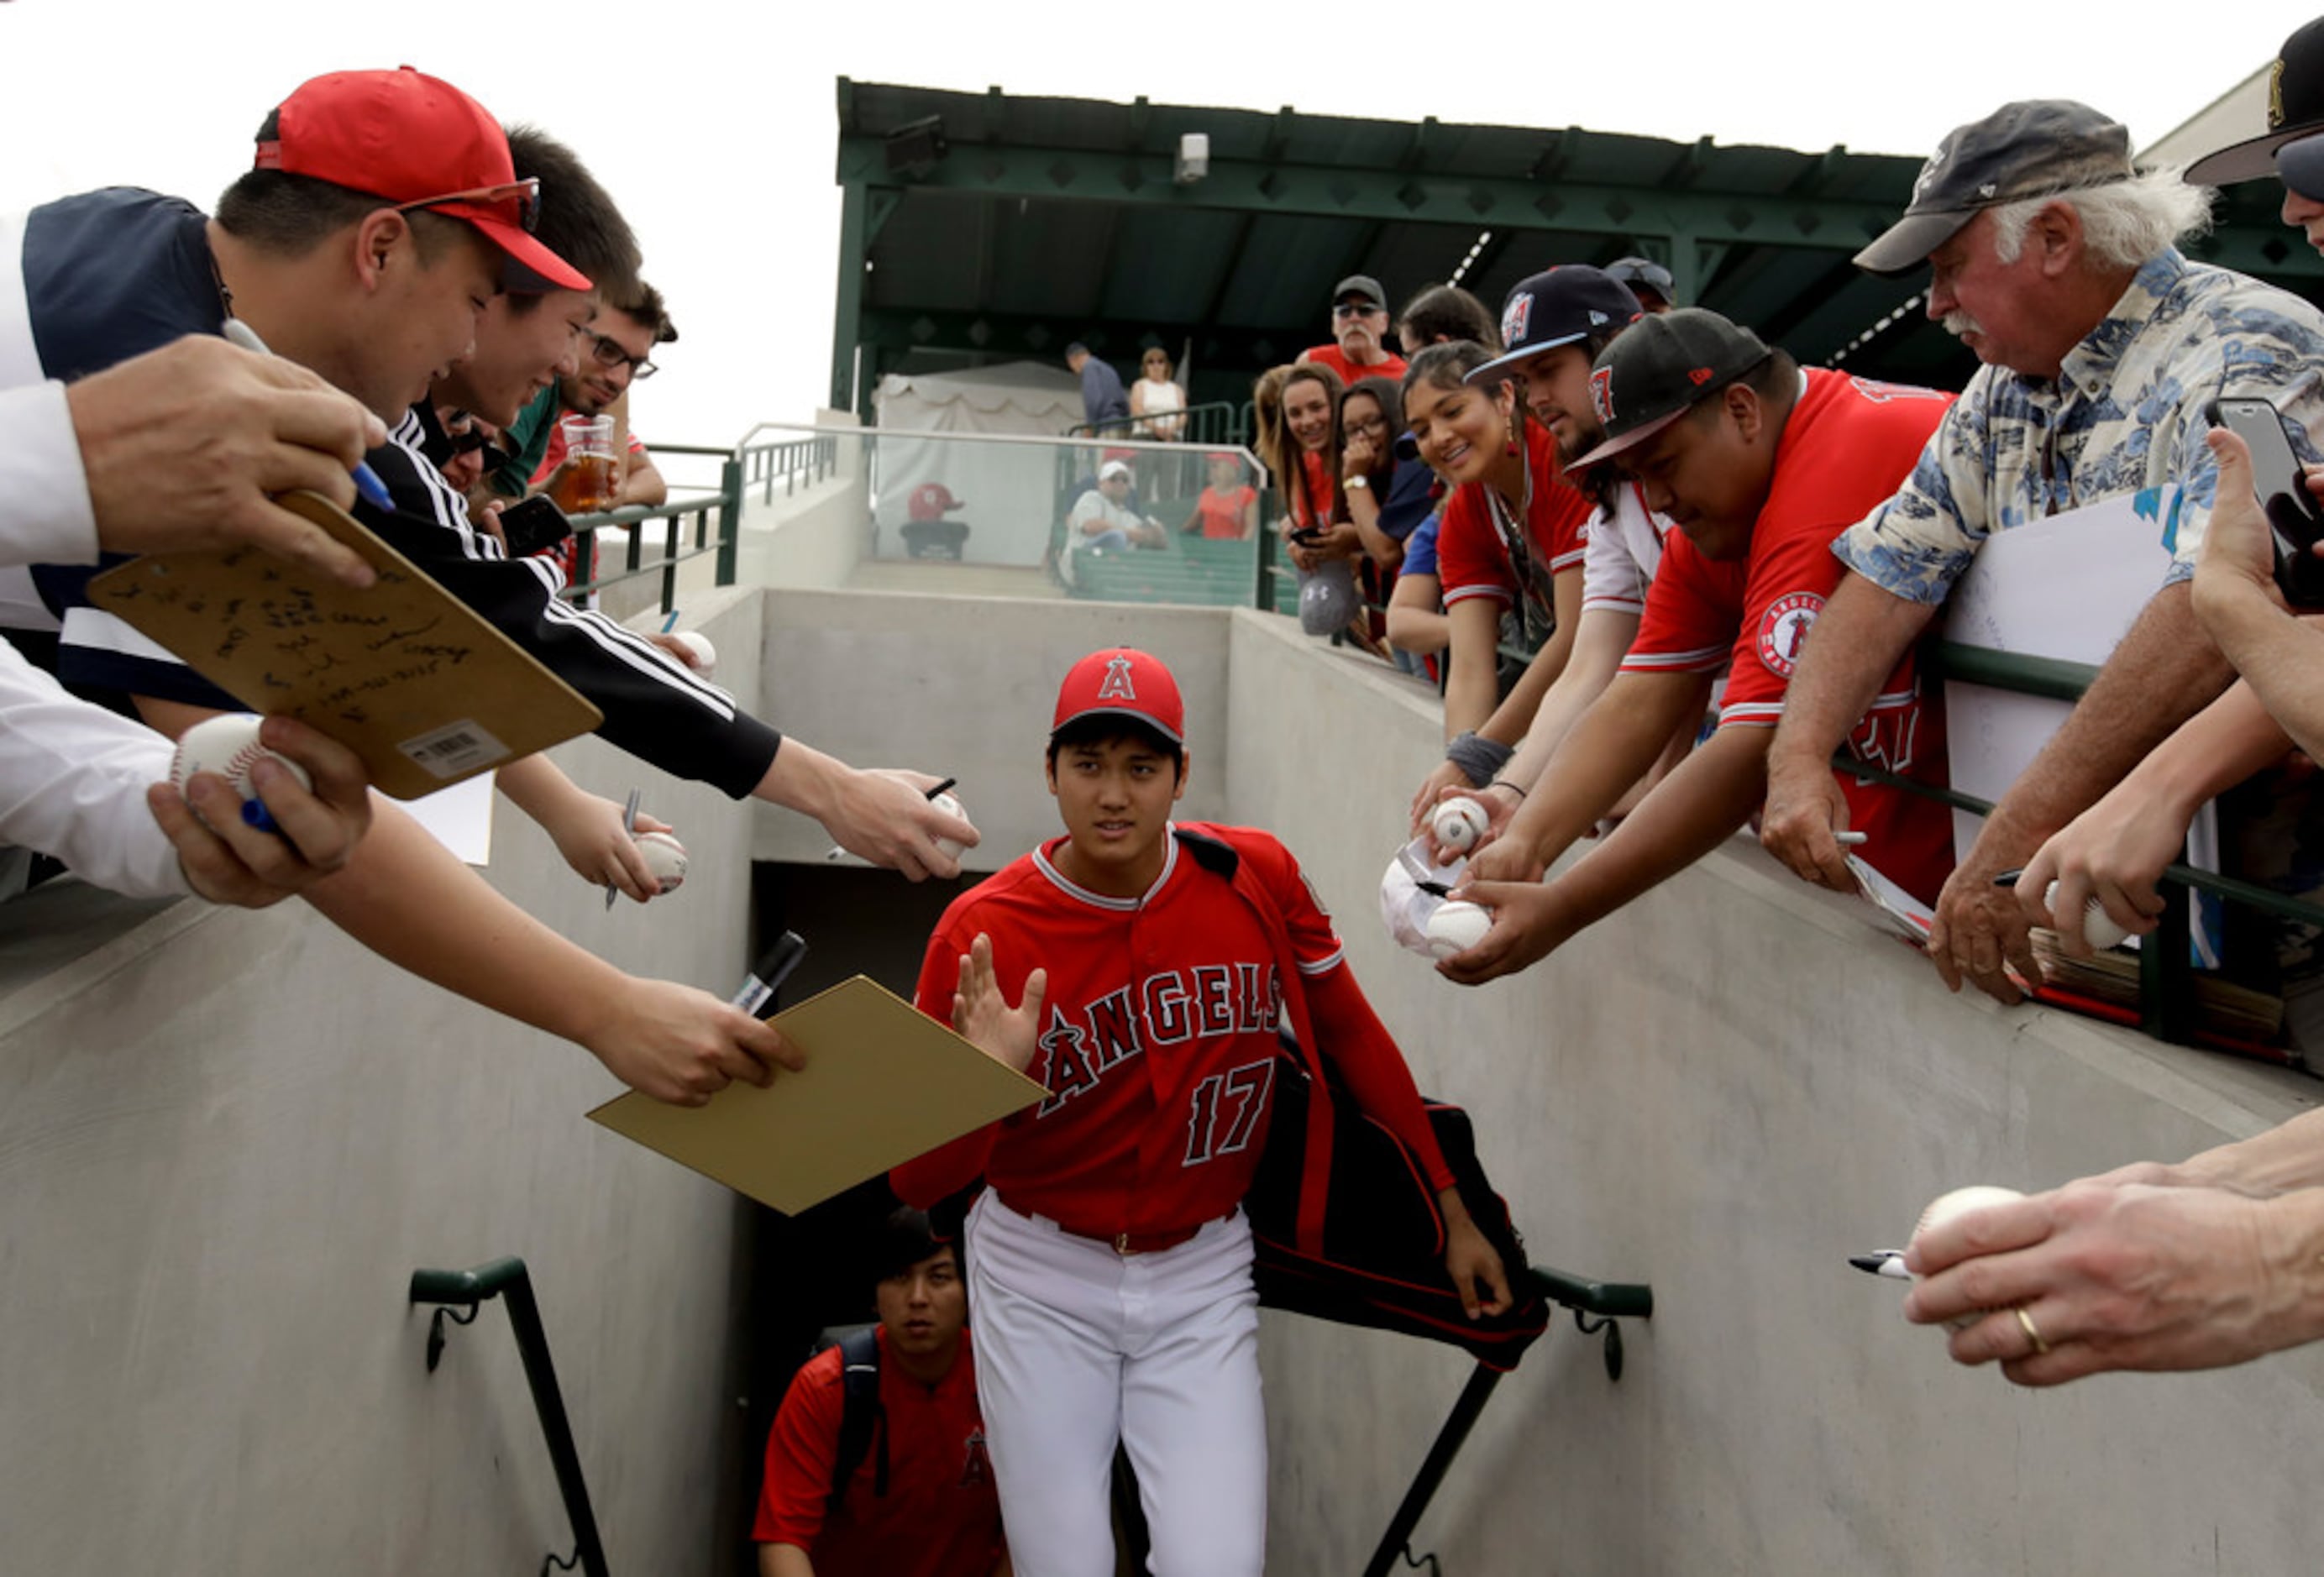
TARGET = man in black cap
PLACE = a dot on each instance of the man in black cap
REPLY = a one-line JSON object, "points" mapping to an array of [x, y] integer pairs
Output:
{"points": [[1359, 332], [1649, 280], [2055, 262], [1555, 323], [1760, 464]]}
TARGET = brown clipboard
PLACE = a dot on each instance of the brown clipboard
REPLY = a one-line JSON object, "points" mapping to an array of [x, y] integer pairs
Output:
{"points": [[883, 1082], [402, 672]]}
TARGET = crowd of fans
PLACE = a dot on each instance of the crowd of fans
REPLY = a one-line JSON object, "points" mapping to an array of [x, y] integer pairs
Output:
{"points": [[1681, 522]]}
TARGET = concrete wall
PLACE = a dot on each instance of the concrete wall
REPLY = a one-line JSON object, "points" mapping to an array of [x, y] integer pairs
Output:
{"points": [[1723, 1091], [225, 1141]]}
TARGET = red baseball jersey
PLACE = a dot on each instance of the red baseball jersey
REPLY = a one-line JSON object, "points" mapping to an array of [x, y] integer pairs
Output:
{"points": [[1158, 1042], [1848, 445], [1350, 373], [941, 1517], [1472, 555]]}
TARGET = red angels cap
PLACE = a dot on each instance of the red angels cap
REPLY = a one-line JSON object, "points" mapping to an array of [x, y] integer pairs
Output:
{"points": [[929, 501], [418, 143], [1122, 683]]}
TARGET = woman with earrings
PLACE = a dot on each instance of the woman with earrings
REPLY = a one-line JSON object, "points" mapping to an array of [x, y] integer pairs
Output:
{"points": [[1296, 412], [1510, 541]]}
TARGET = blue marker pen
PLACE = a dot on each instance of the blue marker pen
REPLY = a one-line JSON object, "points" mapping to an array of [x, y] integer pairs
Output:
{"points": [[373, 491]]}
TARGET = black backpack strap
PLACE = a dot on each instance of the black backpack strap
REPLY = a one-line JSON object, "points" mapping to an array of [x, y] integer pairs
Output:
{"points": [[860, 1416]]}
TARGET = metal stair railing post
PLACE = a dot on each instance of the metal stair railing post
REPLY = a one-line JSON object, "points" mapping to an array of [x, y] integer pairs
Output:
{"points": [[1596, 1305], [509, 1280]]}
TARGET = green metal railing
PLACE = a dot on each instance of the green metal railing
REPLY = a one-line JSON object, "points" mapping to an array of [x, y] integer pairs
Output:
{"points": [[459, 1294], [795, 462], [1215, 421]]}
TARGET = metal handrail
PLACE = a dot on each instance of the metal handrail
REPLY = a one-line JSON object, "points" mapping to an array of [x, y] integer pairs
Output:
{"points": [[1210, 422], [509, 1280], [724, 506]]}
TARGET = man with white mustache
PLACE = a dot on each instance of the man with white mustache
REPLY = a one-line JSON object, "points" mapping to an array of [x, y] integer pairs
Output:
{"points": [[2055, 261]]}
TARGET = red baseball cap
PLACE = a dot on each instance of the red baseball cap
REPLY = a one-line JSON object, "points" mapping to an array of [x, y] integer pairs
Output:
{"points": [[1121, 682], [416, 141], [929, 501]]}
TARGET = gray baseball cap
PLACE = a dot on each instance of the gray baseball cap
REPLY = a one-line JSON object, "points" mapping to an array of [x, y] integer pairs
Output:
{"points": [[2037, 148], [1360, 285]]}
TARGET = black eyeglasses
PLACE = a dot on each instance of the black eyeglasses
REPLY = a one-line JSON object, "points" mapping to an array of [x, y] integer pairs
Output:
{"points": [[610, 354], [525, 193]]}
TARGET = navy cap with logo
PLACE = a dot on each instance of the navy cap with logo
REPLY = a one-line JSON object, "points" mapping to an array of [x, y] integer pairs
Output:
{"points": [[2295, 113], [1660, 369], [1360, 285], [1557, 306], [2035, 148]]}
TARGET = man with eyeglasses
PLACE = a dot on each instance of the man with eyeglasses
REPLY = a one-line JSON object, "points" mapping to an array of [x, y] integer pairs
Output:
{"points": [[1358, 333], [615, 353]]}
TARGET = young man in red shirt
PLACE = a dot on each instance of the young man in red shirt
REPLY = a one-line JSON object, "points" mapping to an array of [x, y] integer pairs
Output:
{"points": [[1108, 1254], [1760, 464], [920, 1502]]}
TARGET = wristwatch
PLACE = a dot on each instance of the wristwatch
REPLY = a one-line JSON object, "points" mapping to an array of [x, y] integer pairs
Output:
{"points": [[1358, 483]]}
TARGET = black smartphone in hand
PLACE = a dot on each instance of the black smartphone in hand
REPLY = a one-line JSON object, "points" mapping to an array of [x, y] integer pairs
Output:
{"points": [[533, 525], [2293, 517]]}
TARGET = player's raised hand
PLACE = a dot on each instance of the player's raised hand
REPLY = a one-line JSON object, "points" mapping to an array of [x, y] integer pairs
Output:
{"points": [[683, 1046], [227, 861], [1471, 1260], [981, 1013], [184, 445]]}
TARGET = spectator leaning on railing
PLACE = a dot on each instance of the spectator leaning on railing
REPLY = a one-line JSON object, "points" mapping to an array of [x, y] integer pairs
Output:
{"points": [[2055, 263], [1105, 404], [2114, 850], [1760, 464], [1417, 625]]}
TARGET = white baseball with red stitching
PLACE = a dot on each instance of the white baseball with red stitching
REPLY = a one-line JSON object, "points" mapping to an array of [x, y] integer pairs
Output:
{"points": [[227, 745]]}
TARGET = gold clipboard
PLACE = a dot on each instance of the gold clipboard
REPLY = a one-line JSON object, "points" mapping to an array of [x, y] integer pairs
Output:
{"points": [[883, 1082], [403, 673]]}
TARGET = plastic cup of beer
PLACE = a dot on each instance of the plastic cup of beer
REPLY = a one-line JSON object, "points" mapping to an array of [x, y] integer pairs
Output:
{"points": [[588, 484]]}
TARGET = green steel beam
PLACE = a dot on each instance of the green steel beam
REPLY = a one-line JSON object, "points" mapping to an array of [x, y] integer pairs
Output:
{"points": [[847, 301], [900, 329], [1711, 218]]}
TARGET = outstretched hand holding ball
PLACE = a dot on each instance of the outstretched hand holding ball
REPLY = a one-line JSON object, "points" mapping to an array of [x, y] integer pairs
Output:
{"points": [[228, 745]]}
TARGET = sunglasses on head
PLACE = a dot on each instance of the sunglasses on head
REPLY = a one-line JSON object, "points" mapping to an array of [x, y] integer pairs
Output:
{"points": [[525, 193]]}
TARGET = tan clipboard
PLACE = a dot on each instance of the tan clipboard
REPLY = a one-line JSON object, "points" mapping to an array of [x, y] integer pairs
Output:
{"points": [[402, 672], [883, 1082]]}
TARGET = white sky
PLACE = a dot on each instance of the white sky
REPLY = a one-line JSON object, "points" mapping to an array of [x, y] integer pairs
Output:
{"points": [[714, 125]]}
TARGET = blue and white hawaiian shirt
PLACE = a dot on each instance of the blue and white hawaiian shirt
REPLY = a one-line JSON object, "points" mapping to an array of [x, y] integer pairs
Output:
{"points": [[2124, 415]]}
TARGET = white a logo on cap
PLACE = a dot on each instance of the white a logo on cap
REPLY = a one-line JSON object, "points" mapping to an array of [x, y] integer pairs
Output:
{"points": [[1116, 685], [1514, 318], [1928, 173], [1598, 319]]}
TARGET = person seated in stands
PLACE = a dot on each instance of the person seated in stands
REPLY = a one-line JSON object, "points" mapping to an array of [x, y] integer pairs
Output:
{"points": [[1359, 344], [1761, 465], [1105, 406], [926, 533], [1509, 541], [917, 1498], [2114, 852], [1647, 280], [1157, 402], [1227, 511], [2055, 261], [1103, 520]]}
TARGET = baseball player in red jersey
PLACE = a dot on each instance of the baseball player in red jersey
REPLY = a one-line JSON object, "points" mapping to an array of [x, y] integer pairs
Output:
{"points": [[1760, 464], [1109, 1261]]}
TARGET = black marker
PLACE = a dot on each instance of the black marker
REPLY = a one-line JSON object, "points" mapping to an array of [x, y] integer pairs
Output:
{"points": [[765, 981], [1887, 1262], [2008, 878]]}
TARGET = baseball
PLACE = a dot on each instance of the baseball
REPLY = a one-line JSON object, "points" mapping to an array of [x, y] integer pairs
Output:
{"points": [[665, 857], [705, 656], [2098, 928], [1457, 925], [1459, 822], [228, 745], [1960, 1202], [950, 807]]}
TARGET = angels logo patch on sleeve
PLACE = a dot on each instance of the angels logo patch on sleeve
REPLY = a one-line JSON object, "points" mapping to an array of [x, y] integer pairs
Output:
{"points": [[1783, 630]]}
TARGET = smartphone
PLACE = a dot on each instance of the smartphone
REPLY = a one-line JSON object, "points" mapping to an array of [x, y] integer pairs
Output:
{"points": [[2292, 515], [1308, 536], [534, 525]]}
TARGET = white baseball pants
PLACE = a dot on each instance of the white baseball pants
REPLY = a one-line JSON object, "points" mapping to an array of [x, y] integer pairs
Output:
{"points": [[1078, 1347]]}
